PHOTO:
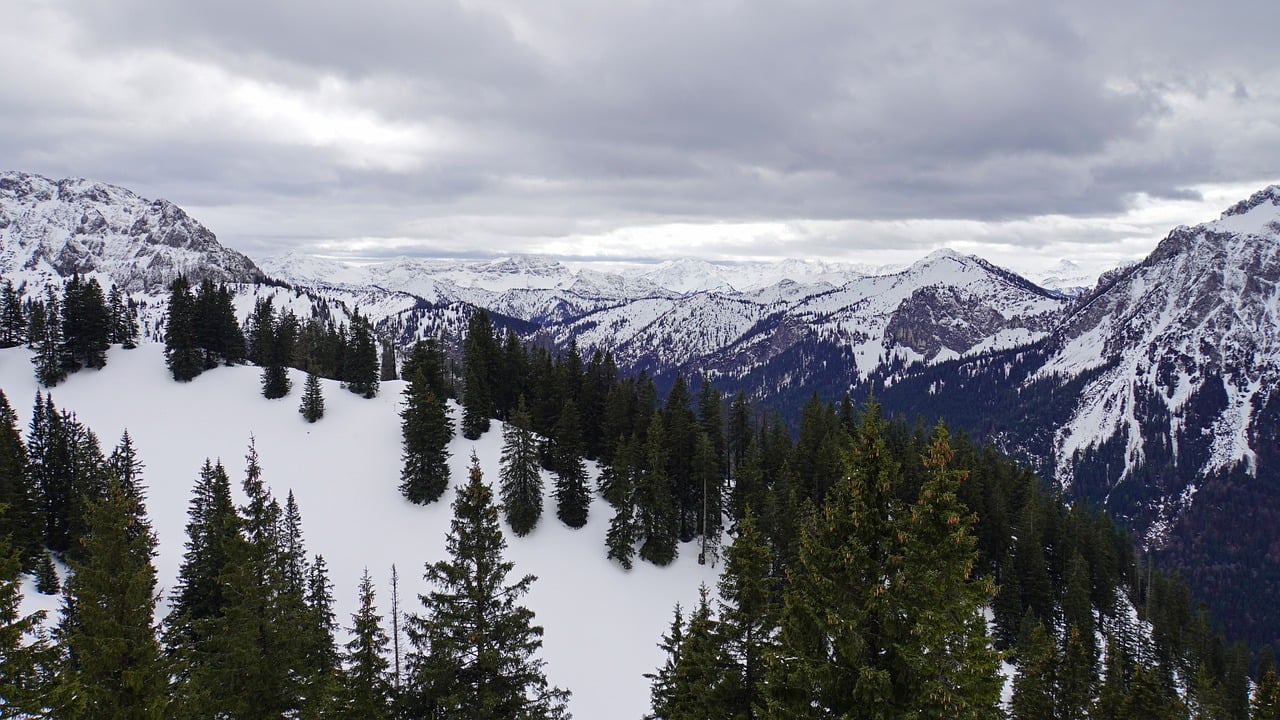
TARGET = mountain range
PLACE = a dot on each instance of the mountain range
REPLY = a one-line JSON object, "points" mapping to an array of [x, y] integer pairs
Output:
{"points": [[1151, 392]]}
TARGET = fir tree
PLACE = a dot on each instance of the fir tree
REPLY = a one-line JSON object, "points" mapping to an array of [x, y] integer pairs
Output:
{"points": [[475, 648], [181, 353], [427, 429], [362, 372], [695, 684], [748, 614], [388, 362], [24, 654], [312, 406], [1035, 682], [114, 666], [1265, 704], [21, 519], [573, 498], [320, 658], [47, 582], [86, 327], [662, 683], [620, 491], [479, 363], [656, 522], [520, 475], [48, 358], [366, 677], [13, 321]]}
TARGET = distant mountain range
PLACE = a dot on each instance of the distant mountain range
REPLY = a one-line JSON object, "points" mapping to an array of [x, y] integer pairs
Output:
{"points": [[1152, 392]]}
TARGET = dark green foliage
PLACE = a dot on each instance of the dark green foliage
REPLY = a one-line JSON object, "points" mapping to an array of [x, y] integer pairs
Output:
{"points": [[366, 679], [275, 382], [312, 406], [387, 369], [662, 684], [475, 646], [47, 582], [50, 369], [66, 464], [21, 518], [123, 319], [86, 327], [748, 616], [271, 342], [573, 496], [1265, 704], [693, 675], [13, 320], [24, 653], [618, 487], [426, 428], [1037, 667], [520, 475], [212, 535], [361, 371], [480, 364], [217, 331], [657, 523], [182, 353], [113, 666]]}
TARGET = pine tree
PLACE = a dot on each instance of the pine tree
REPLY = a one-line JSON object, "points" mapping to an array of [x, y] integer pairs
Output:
{"points": [[13, 321], [657, 523], [320, 658], [24, 654], [427, 429], [573, 497], [213, 531], [21, 519], [312, 406], [1265, 704], [1036, 679], [362, 371], [748, 615], [47, 582], [662, 683], [48, 358], [366, 678], [86, 327], [388, 362], [520, 475], [475, 648], [108, 625], [622, 534], [479, 365], [697, 681], [181, 353]]}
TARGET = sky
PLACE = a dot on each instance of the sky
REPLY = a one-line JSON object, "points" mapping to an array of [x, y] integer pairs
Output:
{"points": [[629, 130]]}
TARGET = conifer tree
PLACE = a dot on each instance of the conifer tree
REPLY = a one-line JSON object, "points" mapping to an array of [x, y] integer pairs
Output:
{"points": [[1265, 704], [1037, 664], [20, 518], [620, 492], [362, 372], [181, 353], [475, 647], [388, 362], [24, 653], [366, 678], [695, 684], [573, 497], [320, 660], [113, 666], [213, 531], [13, 321], [479, 365], [312, 406], [50, 369], [748, 615], [47, 582], [427, 429], [520, 475], [657, 523], [86, 328], [662, 683]]}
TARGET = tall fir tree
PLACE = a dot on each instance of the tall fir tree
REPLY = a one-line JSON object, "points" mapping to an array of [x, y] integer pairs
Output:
{"points": [[1034, 685], [50, 369], [426, 429], [25, 656], [86, 327], [1265, 703], [696, 682], [21, 518], [362, 372], [662, 682], [13, 320], [366, 678], [479, 365], [181, 353], [312, 405], [748, 617], [573, 497], [387, 360], [657, 523], [520, 475], [475, 648], [113, 668]]}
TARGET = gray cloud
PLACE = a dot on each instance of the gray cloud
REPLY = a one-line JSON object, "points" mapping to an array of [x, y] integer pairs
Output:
{"points": [[438, 123]]}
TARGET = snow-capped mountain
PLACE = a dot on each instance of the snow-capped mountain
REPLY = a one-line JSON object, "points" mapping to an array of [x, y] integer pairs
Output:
{"points": [[1067, 277], [54, 228]]}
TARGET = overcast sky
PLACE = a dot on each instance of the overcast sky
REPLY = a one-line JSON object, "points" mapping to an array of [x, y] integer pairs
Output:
{"points": [[875, 132]]}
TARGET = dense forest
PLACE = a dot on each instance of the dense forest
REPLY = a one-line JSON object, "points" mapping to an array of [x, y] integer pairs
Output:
{"points": [[869, 567]]}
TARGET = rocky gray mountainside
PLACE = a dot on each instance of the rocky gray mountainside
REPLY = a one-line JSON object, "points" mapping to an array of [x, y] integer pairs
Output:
{"points": [[55, 228]]}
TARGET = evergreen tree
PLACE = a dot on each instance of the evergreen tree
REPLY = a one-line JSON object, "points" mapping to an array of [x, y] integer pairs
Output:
{"points": [[50, 369], [662, 684], [388, 362], [479, 366], [520, 475], [113, 665], [320, 659], [20, 518], [573, 497], [362, 372], [1265, 704], [620, 492], [427, 429], [181, 353], [748, 615], [694, 687], [475, 648], [86, 328], [1037, 664], [213, 531], [366, 679], [24, 653], [13, 321], [312, 406], [656, 521], [47, 582]]}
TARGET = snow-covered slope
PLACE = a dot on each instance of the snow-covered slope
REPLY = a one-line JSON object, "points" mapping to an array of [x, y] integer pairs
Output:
{"points": [[602, 623], [1189, 337], [51, 228]]}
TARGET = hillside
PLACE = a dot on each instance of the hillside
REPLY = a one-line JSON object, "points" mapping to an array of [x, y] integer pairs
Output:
{"points": [[344, 471]]}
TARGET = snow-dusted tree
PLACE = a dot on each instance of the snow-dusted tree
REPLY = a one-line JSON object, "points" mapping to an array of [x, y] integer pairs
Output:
{"points": [[520, 473]]}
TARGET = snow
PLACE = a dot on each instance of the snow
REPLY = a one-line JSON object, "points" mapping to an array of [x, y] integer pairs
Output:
{"points": [[602, 623]]}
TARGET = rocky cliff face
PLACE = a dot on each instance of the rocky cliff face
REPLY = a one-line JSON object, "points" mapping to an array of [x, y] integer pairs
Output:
{"points": [[51, 228]]}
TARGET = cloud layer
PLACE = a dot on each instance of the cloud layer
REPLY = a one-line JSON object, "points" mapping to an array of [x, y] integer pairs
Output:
{"points": [[651, 129]]}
